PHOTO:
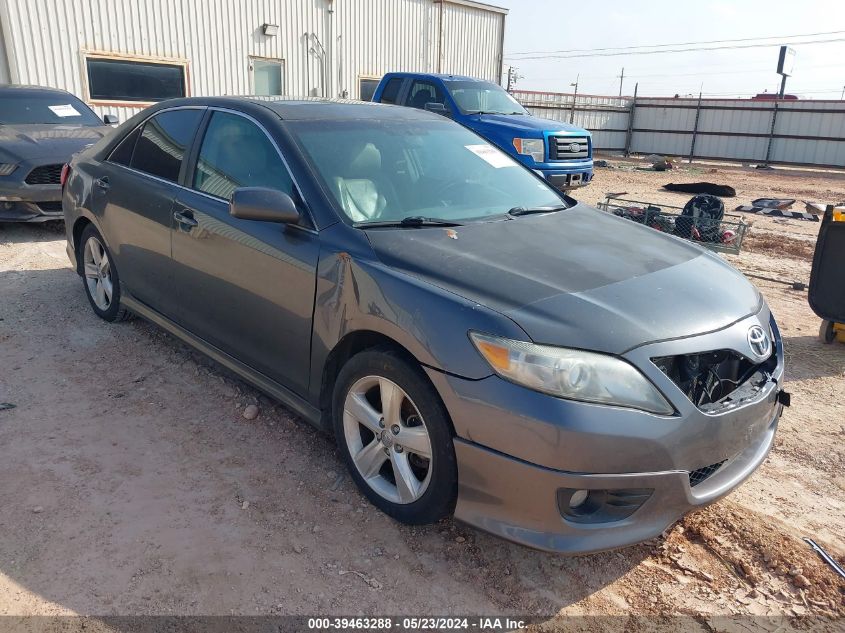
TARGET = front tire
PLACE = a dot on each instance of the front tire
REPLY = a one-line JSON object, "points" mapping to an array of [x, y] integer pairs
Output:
{"points": [[395, 437], [100, 277]]}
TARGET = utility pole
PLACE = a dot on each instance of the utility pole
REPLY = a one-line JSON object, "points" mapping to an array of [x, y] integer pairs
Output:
{"points": [[842, 96], [512, 77], [574, 97], [621, 79]]}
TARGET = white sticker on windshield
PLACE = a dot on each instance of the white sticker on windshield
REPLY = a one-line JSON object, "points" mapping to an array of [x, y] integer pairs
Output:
{"points": [[490, 154], [65, 110]]}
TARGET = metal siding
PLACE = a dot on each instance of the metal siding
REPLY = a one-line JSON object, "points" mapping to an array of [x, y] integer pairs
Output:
{"points": [[733, 129], [363, 38], [471, 41]]}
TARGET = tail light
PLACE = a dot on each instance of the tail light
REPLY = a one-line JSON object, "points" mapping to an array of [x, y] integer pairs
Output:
{"points": [[65, 174]]}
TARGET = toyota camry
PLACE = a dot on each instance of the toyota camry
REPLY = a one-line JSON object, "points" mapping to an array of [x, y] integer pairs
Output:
{"points": [[478, 343]]}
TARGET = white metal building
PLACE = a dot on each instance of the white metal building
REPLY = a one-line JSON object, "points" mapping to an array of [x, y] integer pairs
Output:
{"points": [[122, 55]]}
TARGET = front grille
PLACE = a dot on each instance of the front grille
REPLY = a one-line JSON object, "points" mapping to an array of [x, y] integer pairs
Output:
{"points": [[50, 207], [45, 175], [564, 147], [698, 476]]}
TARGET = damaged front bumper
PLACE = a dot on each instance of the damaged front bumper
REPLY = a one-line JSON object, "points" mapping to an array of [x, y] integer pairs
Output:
{"points": [[574, 477]]}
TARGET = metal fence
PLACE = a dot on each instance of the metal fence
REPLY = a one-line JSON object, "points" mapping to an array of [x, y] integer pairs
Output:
{"points": [[810, 133]]}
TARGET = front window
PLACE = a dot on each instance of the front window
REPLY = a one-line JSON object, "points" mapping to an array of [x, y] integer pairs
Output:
{"points": [[483, 97], [33, 107], [389, 170]]}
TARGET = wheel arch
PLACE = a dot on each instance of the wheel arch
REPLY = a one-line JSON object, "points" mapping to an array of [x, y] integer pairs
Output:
{"points": [[79, 226], [354, 343]]}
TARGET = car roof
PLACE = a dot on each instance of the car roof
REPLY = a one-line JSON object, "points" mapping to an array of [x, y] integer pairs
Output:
{"points": [[23, 89], [314, 108]]}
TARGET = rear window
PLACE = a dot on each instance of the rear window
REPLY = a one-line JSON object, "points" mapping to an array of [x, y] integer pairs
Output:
{"points": [[33, 107], [165, 138]]}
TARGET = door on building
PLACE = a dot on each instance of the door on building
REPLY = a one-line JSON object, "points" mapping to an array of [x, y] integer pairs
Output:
{"points": [[267, 76], [245, 286]]}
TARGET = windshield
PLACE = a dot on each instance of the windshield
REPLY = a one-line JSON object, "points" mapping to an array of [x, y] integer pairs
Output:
{"points": [[483, 96], [389, 170], [32, 107]]}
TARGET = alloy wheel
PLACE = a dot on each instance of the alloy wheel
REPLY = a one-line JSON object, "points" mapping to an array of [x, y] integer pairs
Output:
{"points": [[97, 270], [387, 439]]}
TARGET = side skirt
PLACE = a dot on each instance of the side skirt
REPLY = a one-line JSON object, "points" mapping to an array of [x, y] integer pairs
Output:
{"points": [[258, 380]]}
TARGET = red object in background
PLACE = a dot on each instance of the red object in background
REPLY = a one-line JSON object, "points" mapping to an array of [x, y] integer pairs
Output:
{"points": [[65, 174]]}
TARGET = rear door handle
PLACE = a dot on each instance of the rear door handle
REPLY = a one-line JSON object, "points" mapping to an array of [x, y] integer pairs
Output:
{"points": [[185, 217], [103, 183]]}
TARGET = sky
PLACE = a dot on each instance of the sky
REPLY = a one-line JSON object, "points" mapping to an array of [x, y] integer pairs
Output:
{"points": [[535, 28]]}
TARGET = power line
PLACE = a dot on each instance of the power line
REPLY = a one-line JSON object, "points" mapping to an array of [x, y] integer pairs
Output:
{"points": [[675, 50], [621, 48]]}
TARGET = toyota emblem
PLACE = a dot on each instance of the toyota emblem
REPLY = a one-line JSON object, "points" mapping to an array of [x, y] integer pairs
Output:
{"points": [[574, 148], [758, 340]]}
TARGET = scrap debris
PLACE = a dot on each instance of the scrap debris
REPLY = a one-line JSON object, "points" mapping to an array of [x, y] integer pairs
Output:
{"points": [[778, 213], [825, 556], [711, 188]]}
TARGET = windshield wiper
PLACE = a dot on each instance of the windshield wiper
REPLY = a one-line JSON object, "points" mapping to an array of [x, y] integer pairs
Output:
{"points": [[530, 210], [411, 221]]}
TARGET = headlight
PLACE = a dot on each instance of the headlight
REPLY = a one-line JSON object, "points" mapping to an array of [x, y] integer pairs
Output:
{"points": [[7, 168], [571, 373], [532, 147]]}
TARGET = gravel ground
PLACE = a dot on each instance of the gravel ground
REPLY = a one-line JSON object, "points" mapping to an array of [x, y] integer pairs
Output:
{"points": [[131, 483]]}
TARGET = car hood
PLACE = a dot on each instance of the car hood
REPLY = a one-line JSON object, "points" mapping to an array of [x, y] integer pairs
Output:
{"points": [[531, 126], [579, 278], [21, 142]]}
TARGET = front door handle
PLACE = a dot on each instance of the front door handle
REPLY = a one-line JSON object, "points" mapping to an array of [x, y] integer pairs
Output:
{"points": [[185, 217], [103, 183]]}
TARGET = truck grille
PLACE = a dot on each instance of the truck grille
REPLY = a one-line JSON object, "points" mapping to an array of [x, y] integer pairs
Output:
{"points": [[568, 147], [45, 175]]}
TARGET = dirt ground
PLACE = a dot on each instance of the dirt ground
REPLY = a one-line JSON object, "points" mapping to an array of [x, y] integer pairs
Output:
{"points": [[130, 483]]}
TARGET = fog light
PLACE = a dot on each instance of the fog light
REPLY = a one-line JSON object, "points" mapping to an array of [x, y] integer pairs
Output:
{"points": [[600, 506], [578, 498]]}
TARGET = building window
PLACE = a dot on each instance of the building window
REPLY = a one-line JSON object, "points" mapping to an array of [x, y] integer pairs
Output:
{"points": [[367, 88], [268, 76], [113, 79]]}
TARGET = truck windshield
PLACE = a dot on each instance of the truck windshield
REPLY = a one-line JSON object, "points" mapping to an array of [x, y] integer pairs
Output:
{"points": [[389, 170], [25, 107], [483, 97]]}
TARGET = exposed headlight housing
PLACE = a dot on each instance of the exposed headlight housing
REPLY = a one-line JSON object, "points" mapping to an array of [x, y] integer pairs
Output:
{"points": [[570, 373], [7, 168], [533, 147]]}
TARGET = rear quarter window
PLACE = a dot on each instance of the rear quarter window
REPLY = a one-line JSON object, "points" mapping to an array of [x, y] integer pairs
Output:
{"points": [[164, 140]]}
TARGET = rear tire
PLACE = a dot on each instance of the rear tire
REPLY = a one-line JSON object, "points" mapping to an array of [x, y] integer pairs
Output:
{"points": [[395, 437], [100, 277]]}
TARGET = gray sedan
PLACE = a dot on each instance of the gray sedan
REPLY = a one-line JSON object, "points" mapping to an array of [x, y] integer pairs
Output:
{"points": [[478, 343], [40, 129]]}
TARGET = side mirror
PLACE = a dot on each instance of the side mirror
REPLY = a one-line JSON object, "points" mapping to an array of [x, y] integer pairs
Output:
{"points": [[437, 108], [262, 203], [110, 119]]}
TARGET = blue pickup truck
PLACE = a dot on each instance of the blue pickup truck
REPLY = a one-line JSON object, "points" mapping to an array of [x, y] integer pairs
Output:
{"points": [[561, 153]]}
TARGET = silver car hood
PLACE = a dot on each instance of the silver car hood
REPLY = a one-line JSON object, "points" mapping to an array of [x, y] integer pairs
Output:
{"points": [[579, 278]]}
